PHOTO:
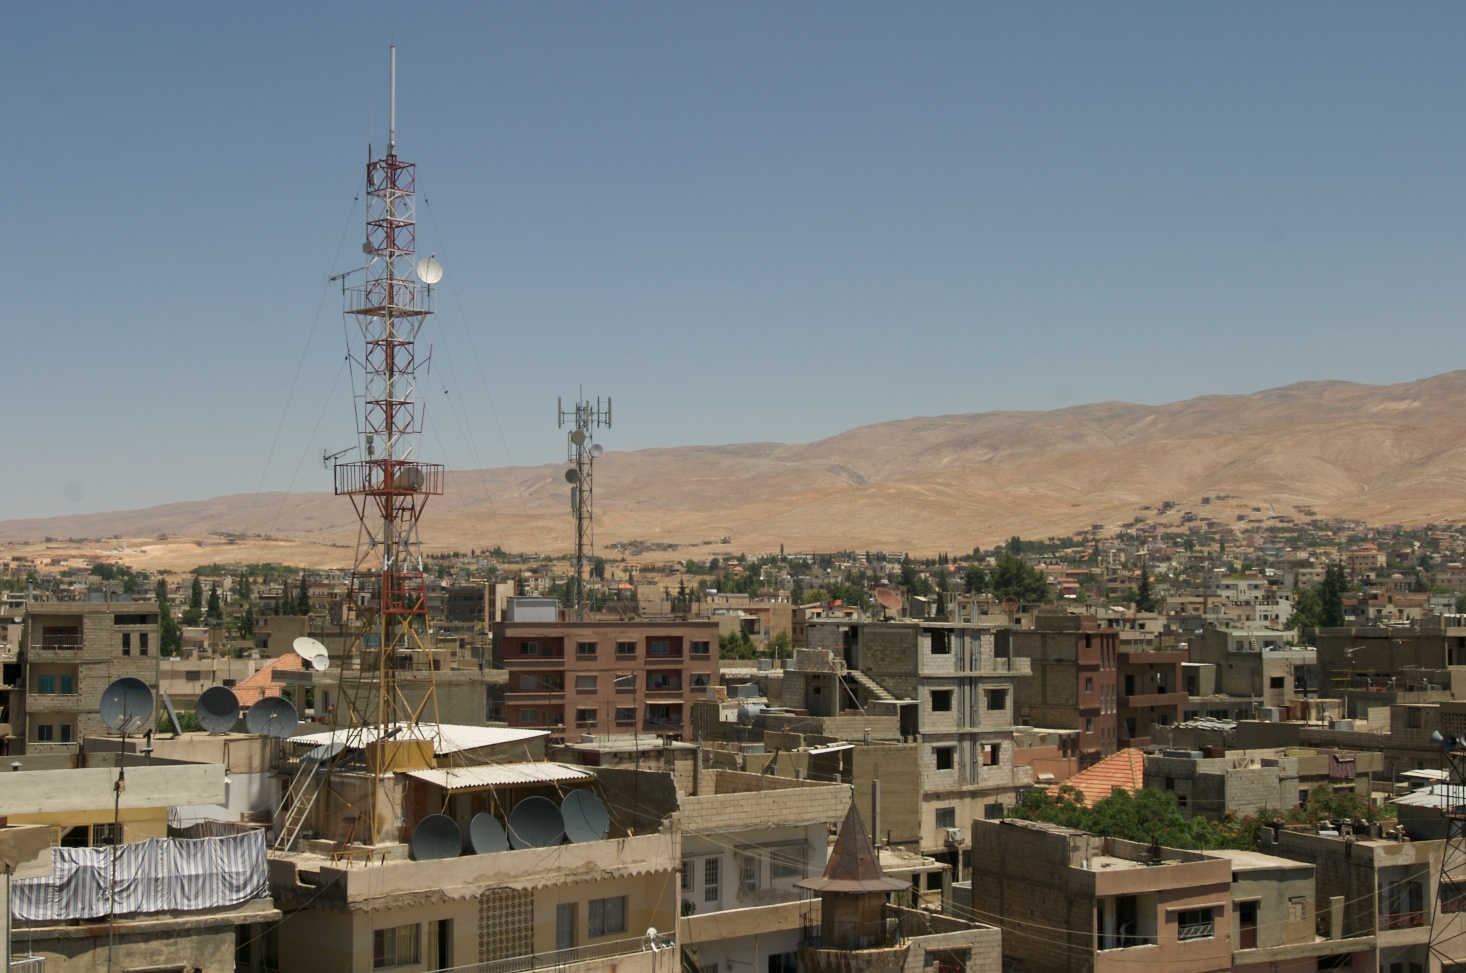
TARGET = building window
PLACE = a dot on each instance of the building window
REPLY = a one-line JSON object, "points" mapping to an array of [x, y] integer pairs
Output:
{"points": [[585, 682], [625, 714], [1195, 924], [127, 643], [142, 642], [529, 716], [608, 916], [941, 700], [997, 699], [626, 681], [686, 875], [712, 870], [191, 675], [1275, 682], [701, 648], [65, 732], [626, 648], [787, 863], [104, 834], [397, 946], [529, 648], [945, 756], [784, 963], [1089, 724], [1453, 896], [701, 680], [941, 643], [584, 649], [45, 685], [45, 733], [993, 812], [1089, 684], [946, 817], [748, 872], [661, 647], [992, 754], [586, 716], [68, 686]]}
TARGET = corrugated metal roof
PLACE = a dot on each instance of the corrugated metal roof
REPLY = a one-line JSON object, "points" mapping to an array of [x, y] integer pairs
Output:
{"points": [[1436, 795], [499, 775], [831, 748], [446, 737]]}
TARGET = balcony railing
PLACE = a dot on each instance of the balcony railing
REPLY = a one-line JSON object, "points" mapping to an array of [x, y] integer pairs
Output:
{"points": [[28, 964], [560, 958], [1401, 920]]}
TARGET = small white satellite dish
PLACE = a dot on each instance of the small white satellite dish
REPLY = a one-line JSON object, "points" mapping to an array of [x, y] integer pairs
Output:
{"points": [[321, 663], [596, 449], [429, 271]]}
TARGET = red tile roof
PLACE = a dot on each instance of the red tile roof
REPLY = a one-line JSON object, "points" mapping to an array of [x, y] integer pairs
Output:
{"points": [[1124, 769], [263, 683]]}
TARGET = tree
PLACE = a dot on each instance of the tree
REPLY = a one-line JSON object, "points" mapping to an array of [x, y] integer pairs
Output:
{"points": [[196, 594], [1331, 591], [215, 610], [245, 592], [1144, 600], [598, 568], [974, 579], [1012, 578], [170, 639], [303, 599], [781, 646]]}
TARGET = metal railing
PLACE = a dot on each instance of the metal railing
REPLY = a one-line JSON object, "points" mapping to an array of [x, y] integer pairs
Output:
{"points": [[565, 957], [28, 964]]}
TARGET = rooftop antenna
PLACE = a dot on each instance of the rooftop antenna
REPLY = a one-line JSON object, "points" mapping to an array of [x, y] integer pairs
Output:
{"points": [[582, 451], [388, 486]]}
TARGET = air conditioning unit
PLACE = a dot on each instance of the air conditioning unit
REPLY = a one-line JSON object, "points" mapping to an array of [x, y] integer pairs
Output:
{"points": [[955, 836]]}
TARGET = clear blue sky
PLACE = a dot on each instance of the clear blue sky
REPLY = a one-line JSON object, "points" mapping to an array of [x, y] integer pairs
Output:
{"points": [[743, 221]]}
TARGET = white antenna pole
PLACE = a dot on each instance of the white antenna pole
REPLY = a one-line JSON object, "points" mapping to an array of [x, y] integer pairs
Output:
{"points": [[392, 104]]}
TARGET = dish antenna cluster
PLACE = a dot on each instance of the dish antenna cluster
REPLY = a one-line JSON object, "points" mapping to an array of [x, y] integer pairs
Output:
{"points": [[582, 451], [535, 822], [313, 652]]}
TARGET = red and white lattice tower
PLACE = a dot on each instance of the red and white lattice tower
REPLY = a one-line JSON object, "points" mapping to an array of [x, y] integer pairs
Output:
{"points": [[389, 487]]}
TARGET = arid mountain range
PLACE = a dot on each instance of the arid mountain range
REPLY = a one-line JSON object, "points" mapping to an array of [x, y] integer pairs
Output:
{"points": [[1381, 454]]}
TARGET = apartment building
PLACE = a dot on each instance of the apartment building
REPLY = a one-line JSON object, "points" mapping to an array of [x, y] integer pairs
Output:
{"points": [[1151, 693], [576, 678], [71, 652], [1075, 683]]}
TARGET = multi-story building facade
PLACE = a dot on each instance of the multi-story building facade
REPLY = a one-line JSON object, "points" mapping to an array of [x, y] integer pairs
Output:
{"points": [[575, 678], [71, 652], [1075, 684], [1151, 693]]}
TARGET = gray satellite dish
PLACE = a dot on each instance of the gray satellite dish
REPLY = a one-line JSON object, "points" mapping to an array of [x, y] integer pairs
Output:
{"points": [[585, 815], [572, 475], [127, 705], [321, 663], [272, 716], [577, 437], [535, 822], [596, 450], [486, 834], [172, 713], [436, 836], [218, 709]]}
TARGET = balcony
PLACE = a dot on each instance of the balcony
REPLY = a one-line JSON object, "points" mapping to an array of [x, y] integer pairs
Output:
{"points": [[1160, 697], [1401, 920], [567, 959]]}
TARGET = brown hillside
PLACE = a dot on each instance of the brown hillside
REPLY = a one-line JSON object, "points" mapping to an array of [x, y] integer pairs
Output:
{"points": [[1383, 454]]}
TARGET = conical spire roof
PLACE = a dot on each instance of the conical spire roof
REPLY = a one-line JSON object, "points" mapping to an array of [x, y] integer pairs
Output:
{"points": [[854, 865]]}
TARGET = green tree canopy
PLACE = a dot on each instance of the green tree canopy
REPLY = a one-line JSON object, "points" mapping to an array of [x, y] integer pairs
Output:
{"points": [[1013, 578]]}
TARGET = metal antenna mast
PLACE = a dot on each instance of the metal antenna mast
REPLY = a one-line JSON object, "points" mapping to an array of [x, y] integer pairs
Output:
{"points": [[389, 488], [581, 450]]}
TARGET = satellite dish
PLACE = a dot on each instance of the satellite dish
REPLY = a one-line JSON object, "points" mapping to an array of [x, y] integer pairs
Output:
{"points": [[486, 834], [321, 663], [535, 822], [436, 836], [578, 437], [429, 271], [585, 816], [572, 475], [888, 599], [596, 449], [127, 705], [172, 714], [272, 716], [308, 648], [217, 709]]}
